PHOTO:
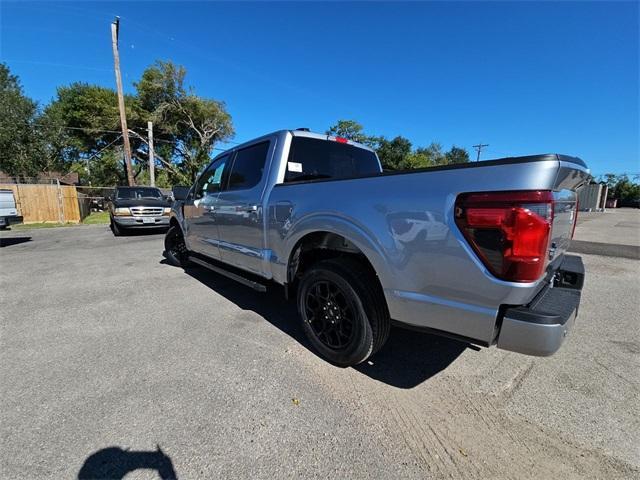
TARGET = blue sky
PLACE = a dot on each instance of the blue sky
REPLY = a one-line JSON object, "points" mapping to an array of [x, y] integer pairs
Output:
{"points": [[524, 77]]}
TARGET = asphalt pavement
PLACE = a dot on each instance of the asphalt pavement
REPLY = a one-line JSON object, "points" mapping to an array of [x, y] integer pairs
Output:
{"points": [[112, 362]]}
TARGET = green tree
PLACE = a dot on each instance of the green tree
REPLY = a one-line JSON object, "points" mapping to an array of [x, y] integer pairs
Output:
{"points": [[456, 155], [188, 125], [349, 129], [433, 153], [83, 128], [416, 159], [20, 146], [621, 187], [393, 153], [89, 117], [398, 153]]}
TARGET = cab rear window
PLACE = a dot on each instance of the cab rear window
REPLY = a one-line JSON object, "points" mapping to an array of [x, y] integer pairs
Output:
{"points": [[315, 159]]}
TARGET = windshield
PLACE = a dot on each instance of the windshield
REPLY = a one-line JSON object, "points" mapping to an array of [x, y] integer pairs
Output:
{"points": [[139, 192]]}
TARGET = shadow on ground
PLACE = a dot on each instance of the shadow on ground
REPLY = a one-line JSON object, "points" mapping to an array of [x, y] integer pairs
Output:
{"points": [[137, 232], [408, 358], [115, 463], [7, 242]]}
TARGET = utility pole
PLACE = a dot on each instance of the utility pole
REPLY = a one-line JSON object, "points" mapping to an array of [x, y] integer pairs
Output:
{"points": [[115, 27], [152, 165], [479, 148]]}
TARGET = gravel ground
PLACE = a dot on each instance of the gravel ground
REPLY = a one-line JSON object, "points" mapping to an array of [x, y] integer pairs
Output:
{"points": [[112, 360]]}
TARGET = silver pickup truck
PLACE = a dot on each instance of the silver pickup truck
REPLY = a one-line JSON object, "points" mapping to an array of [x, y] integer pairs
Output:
{"points": [[474, 251]]}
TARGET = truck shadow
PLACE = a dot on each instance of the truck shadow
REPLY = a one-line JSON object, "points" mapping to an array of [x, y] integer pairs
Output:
{"points": [[408, 358], [116, 463], [8, 241]]}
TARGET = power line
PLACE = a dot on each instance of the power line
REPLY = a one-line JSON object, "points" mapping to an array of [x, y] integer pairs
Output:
{"points": [[91, 129], [104, 148], [99, 130]]}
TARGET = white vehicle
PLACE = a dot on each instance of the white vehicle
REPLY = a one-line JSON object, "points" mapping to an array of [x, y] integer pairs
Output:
{"points": [[8, 211]]}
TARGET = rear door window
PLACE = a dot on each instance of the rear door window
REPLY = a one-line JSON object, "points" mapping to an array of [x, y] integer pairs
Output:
{"points": [[315, 159], [248, 167]]}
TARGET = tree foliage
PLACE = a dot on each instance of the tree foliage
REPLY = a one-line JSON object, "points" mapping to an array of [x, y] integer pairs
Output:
{"points": [[80, 129], [398, 153], [349, 129], [189, 123], [20, 146], [621, 187]]}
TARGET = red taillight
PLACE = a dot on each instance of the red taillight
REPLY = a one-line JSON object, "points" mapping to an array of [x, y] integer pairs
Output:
{"points": [[509, 231], [341, 140]]}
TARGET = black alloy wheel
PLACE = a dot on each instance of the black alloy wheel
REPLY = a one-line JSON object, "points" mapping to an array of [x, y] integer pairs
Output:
{"points": [[343, 311], [175, 247], [330, 313]]}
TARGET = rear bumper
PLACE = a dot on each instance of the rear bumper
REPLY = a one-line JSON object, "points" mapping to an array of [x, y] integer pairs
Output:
{"points": [[540, 328], [141, 222], [10, 220]]}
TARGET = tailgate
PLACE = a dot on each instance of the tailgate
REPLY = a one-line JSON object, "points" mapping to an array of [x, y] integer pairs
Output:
{"points": [[572, 174], [564, 218]]}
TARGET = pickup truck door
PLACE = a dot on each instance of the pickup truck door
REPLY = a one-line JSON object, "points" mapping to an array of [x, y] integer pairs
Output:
{"points": [[239, 210], [199, 209]]}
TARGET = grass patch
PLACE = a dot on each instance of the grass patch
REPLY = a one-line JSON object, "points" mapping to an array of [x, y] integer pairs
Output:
{"points": [[97, 218], [29, 226]]}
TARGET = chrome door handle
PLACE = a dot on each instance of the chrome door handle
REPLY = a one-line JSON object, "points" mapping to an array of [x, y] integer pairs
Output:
{"points": [[247, 208]]}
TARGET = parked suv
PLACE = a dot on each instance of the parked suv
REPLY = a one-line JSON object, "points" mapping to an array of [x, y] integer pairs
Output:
{"points": [[8, 211], [138, 207]]}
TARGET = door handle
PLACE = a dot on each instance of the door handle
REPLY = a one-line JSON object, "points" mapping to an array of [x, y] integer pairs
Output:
{"points": [[247, 208]]}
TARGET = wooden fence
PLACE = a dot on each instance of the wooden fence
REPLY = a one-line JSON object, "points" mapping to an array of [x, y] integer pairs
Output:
{"points": [[49, 203]]}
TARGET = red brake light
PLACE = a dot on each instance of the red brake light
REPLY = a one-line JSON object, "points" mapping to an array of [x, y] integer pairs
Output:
{"points": [[509, 231], [341, 140]]}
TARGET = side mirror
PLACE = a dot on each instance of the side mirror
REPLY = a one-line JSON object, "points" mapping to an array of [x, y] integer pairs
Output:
{"points": [[180, 192]]}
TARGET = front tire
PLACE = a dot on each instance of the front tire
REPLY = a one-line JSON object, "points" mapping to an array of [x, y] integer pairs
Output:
{"points": [[175, 248], [116, 229], [343, 311]]}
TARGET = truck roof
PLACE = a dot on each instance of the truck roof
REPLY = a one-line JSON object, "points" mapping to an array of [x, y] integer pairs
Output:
{"points": [[484, 163], [295, 133]]}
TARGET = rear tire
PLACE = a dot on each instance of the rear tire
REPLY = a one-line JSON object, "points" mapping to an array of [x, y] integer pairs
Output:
{"points": [[175, 248], [343, 311]]}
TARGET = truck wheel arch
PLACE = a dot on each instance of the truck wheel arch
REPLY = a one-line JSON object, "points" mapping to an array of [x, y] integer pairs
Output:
{"points": [[320, 245]]}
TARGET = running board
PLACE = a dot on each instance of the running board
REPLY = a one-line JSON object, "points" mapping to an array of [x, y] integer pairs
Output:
{"points": [[233, 276]]}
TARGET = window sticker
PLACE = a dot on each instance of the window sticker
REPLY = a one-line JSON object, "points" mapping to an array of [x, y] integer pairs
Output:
{"points": [[294, 166]]}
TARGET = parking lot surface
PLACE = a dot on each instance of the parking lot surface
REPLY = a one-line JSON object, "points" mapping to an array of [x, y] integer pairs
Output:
{"points": [[112, 361]]}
